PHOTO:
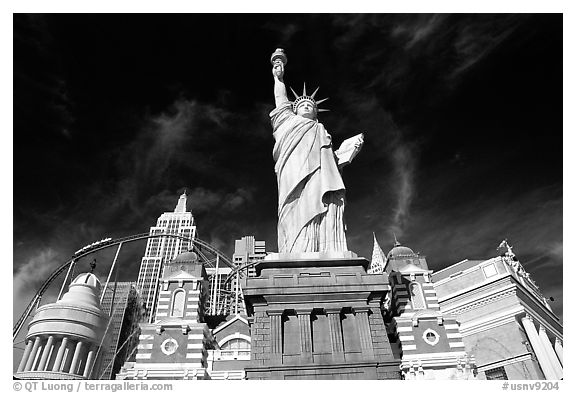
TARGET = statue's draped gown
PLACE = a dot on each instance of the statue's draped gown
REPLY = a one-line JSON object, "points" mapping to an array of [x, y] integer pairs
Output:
{"points": [[310, 187]]}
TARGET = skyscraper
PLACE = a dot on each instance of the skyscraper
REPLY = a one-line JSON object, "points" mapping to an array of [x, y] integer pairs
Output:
{"points": [[123, 329], [162, 249], [248, 250]]}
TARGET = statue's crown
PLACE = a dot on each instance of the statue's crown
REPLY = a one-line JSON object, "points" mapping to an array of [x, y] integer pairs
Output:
{"points": [[309, 98]]}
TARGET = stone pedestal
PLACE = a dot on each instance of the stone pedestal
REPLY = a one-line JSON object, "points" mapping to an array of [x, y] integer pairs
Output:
{"points": [[318, 316]]}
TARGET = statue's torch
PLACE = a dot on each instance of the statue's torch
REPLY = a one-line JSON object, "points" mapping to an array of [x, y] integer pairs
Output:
{"points": [[279, 57]]}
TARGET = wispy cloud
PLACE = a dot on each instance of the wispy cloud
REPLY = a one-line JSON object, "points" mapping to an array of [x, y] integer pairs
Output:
{"points": [[417, 29], [30, 275], [404, 167], [475, 41]]}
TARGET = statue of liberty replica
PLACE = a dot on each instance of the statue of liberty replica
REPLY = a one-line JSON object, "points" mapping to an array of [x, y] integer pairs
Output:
{"points": [[315, 311], [311, 194]]}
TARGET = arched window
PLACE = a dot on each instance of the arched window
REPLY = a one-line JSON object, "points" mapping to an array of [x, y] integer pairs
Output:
{"points": [[236, 344], [235, 348], [417, 296], [178, 303]]}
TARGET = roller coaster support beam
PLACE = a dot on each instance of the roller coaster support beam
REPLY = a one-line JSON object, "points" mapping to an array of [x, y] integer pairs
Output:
{"points": [[111, 270], [66, 279]]}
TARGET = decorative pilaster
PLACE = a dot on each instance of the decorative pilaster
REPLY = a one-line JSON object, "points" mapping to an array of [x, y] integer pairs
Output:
{"points": [[275, 335], [60, 354], [33, 353], [25, 356], [336, 334], [559, 350], [305, 334], [556, 366], [364, 331], [538, 348], [46, 353]]}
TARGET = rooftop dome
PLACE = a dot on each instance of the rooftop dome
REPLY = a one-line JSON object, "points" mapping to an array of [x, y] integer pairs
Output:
{"points": [[77, 314], [188, 256], [83, 290], [88, 279], [400, 251]]}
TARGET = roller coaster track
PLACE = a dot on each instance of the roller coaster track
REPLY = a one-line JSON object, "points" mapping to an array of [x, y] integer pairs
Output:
{"points": [[199, 246]]}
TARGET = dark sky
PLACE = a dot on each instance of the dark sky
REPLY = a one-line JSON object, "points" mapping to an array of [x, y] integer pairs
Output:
{"points": [[114, 116]]}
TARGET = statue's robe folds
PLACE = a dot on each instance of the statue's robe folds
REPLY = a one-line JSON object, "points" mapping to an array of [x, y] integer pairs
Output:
{"points": [[310, 187]]}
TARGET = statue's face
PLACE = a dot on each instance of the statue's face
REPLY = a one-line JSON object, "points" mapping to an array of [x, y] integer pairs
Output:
{"points": [[306, 109]]}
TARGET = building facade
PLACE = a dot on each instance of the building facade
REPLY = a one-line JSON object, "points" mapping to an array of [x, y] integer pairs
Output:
{"points": [[232, 353], [505, 321], [429, 341], [308, 316], [175, 344], [162, 249]]}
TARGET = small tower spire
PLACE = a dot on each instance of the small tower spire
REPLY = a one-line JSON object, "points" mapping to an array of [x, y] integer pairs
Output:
{"points": [[396, 242], [379, 262], [181, 206]]}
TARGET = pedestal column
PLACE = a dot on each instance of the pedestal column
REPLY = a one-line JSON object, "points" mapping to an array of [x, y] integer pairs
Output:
{"points": [[556, 366], [25, 356], [538, 348], [559, 350], [89, 362], [46, 353], [305, 334], [33, 353], [68, 355], [275, 336], [364, 331], [336, 334], [76, 357], [60, 354]]}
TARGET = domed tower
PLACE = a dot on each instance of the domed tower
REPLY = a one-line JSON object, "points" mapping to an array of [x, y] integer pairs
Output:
{"points": [[401, 258], [175, 344], [430, 341], [64, 338]]}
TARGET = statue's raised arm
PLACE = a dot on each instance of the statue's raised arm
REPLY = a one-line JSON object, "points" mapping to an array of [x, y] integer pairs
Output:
{"points": [[279, 61]]}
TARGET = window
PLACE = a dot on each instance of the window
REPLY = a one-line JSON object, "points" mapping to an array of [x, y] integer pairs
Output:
{"points": [[490, 270], [496, 373], [169, 346], [417, 296], [236, 344], [431, 337], [236, 348], [178, 304]]}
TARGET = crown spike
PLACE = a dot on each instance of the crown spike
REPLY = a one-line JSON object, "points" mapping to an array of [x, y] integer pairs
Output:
{"points": [[321, 101], [315, 91], [304, 90], [293, 92], [323, 110]]}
